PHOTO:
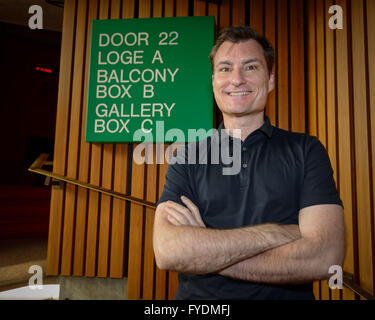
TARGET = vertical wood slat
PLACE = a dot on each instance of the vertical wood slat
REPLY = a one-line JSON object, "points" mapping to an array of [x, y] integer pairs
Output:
{"points": [[282, 65], [105, 212], [182, 8], [321, 96], [331, 108], [312, 65], [128, 9], [213, 11], [94, 197], [362, 147], [93, 211], [256, 16], [135, 233], [321, 100], [73, 143], [331, 93], [118, 221], [107, 174], [149, 260], [117, 257], [297, 66], [225, 14], [84, 158], [312, 75], [321, 80], [161, 275], [199, 8], [157, 8], [59, 165], [270, 34], [168, 8], [370, 12], [322, 115], [238, 12], [344, 142]]}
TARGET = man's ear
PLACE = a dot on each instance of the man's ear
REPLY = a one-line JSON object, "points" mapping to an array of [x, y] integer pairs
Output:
{"points": [[271, 82]]}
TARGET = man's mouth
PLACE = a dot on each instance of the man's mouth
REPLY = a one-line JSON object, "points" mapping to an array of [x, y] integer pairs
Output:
{"points": [[240, 93]]}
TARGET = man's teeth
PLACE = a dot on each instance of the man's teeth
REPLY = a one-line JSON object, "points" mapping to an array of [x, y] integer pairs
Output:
{"points": [[243, 93]]}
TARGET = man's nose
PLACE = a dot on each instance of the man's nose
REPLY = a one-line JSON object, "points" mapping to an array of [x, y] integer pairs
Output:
{"points": [[237, 78]]}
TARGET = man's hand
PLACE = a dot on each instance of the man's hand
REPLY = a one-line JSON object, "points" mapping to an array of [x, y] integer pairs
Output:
{"points": [[179, 215]]}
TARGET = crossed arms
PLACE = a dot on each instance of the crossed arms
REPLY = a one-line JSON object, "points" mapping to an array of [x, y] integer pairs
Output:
{"points": [[267, 253]]}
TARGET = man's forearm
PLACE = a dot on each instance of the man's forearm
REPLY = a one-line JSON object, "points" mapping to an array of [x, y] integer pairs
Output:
{"points": [[297, 262], [309, 258], [202, 250]]}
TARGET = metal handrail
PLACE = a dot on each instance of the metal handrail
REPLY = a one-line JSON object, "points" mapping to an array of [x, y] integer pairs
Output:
{"points": [[37, 165], [357, 289]]}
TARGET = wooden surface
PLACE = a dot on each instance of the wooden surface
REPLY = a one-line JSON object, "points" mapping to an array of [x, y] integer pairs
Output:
{"points": [[340, 111], [324, 86]]}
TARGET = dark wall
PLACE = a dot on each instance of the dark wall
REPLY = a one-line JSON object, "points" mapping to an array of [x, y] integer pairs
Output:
{"points": [[28, 100]]}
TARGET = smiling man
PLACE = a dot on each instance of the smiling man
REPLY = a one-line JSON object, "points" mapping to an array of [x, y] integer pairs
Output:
{"points": [[268, 231]]}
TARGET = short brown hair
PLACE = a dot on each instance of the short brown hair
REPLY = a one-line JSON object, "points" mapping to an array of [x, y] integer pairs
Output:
{"points": [[237, 34]]}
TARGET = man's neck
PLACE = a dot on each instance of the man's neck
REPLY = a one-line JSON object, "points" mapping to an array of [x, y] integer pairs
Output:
{"points": [[246, 124]]}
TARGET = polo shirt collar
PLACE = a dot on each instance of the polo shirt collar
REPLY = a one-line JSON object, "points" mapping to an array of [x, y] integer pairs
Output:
{"points": [[266, 128]]}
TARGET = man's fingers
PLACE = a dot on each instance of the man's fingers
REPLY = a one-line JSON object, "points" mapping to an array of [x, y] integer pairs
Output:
{"points": [[194, 210], [183, 217], [177, 216], [173, 220], [188, 215], [176, 206]]}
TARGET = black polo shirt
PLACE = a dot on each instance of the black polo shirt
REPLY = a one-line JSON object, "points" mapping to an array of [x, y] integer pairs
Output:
{"points": [[280, 173]]}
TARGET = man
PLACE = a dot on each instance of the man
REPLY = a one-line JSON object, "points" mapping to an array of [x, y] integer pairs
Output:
{"points": [[268, 231]]}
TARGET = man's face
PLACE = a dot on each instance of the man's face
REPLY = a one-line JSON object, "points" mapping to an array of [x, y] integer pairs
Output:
{"points": [[240, 81]]}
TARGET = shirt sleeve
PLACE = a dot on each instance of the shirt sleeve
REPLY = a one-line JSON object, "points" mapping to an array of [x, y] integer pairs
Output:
{"points": [[319, 186], [178, 180]]}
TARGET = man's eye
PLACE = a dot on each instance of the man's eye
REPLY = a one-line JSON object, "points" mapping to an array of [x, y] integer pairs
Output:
{"points": [[224, 69], [251, 67]]}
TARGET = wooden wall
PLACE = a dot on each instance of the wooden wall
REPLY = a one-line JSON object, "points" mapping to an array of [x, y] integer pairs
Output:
{"points": [[321, 78], [341, 106]]}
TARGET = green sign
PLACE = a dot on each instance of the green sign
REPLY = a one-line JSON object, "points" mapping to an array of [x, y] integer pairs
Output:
{"points": [[150, 79]]}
